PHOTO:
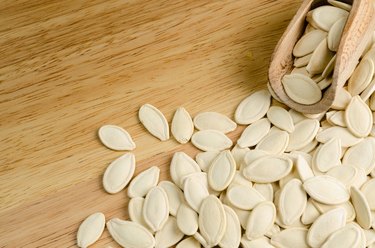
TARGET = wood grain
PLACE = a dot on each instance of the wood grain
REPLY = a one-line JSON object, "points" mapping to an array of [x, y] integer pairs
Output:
{"points": [[68, 67]]}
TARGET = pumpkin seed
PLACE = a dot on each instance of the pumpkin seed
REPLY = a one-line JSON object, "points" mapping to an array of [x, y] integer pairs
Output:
{"points": [[182, 127], [221, 171], [142, 183], [211, 140], [116, 138], [169, 235], [254, 133], [232, 234], [261, 220], [156, 208], [90, 230], [214, 121], [154, 121], [187, 220], [253, 107], [358, 117], [301, 88]]}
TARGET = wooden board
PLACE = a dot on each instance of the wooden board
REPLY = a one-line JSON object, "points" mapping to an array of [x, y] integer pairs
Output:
{"points": [[68, 67]]}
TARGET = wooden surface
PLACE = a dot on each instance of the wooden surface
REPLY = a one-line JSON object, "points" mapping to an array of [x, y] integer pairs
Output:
{"points": [[68, 67]]}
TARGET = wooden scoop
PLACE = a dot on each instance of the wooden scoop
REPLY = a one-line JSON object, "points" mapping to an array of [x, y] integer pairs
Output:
{"points": [[357, 32]]}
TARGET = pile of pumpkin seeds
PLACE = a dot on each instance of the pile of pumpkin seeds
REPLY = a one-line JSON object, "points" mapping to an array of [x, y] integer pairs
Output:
{"points": [[290, 180]]}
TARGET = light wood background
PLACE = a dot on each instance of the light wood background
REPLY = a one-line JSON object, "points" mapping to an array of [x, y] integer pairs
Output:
{"points": [[68, 67]]}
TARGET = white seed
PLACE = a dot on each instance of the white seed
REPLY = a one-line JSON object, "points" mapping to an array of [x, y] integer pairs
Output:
{"points": [[346, 137], [275, 142], [243, 215], [308, 43], [169, 235], [251, 156], [265, 189], [301, 89], [118, 173], [254, 133], [253, 107], [292, 202], [301, 61], [174, 194], [204, 159], [342, 99], [303, 168], [334, 34], [328, 69], [304, 132], [348, 236], [370, 236], [358, 117], [232, 234], [296, 116], [361, 77], [345, 174], [135, 210], [325, 82], [203, 179], [325, 16], [187, 220], [340, 4], [268, 169], [221, 171], [201, 240], [325, 225], [260, 220], [195, 192], [182, 165], [256, 243], [336, 118], [274, 229], [211, 140], [327, 155], [349, 209], [362, 208], [142, 183], [130, 234], [190, 242], [370, 89], [156, 208], [238, 154], [90, 230], [326, 189], [182, 127], [310, 214], [320, 58], [368, 190], [116, 138], [281, 118], [244, 197], [212, 220], [154, 121], [214, 121], [362, 155], [291, 237], [240, 180]]}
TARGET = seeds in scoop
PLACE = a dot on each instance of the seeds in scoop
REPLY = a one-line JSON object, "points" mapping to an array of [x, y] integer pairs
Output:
{"points": [[308, 43], [195, 192], [130, 234], [281, 118], [174, 195], [182, 127], [268, 169], [334, 34], [261, 220], [301, 89], [118, 173], [232, 234], [182, 165], [325, 83], [326, 189], [142, 183], [329, 68], [362, 208], [156, 208], [169, 235], [349, 236], [212, 220], [116, 138], [361, 77], [253, 107], [302, 61], [91, 229], [291, 237], [325, 16], [275, 142], [221, 171], [328, 155], [320, 58], [358, 117], [292, 202], [187, 220], [254, 133], [214, 121], [211, 140], [362, 155], [341, 5], [244, 197], [325, 225], [154, 121]]}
